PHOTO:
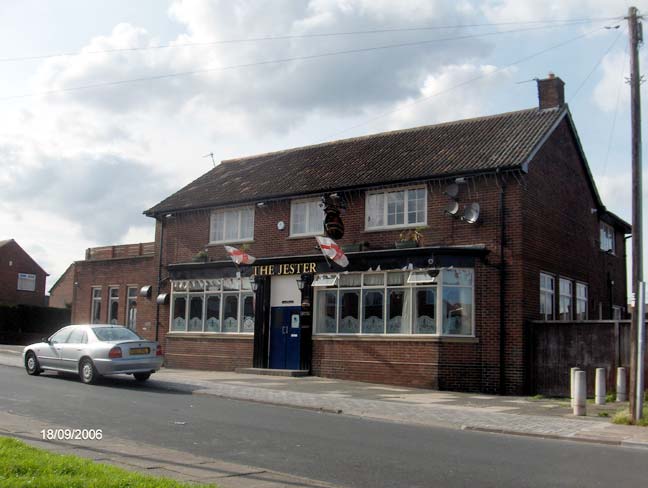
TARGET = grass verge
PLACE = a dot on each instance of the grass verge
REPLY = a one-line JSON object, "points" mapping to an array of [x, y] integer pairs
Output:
{"points": [[23, 465], [622, 417]]}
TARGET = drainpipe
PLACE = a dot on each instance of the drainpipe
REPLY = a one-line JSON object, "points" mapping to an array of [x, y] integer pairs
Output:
{"points": [[159, 280], [502, 304]]}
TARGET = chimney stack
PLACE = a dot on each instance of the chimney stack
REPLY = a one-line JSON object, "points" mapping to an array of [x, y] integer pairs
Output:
{"points": [[551, 92]]}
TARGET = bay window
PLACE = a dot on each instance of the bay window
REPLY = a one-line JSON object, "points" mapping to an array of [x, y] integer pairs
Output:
{"points": [[397, 302], [396, 208], [215, 305]]}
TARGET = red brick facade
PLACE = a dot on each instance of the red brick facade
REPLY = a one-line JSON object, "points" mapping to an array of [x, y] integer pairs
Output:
{"points": [[62, 292], [13, 261], [549, 223]]}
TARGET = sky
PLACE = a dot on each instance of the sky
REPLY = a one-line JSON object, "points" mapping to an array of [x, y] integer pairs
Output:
{"points": [[84, 150]]}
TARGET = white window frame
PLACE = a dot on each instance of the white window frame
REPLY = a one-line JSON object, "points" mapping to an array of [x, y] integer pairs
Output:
{"points": [[26, 282], [438, 285], [561, 294], [131, 298], [307, 202], [404, 225], [608, 238], [580, 299], [548, 291], [209, 289], [112, 300], [96, 300], [239, 237]]}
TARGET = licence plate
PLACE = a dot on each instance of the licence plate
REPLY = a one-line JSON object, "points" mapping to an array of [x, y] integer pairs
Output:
{"points": [[139, 351]]}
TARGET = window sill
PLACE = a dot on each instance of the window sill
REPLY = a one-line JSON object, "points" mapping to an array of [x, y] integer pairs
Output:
{"points": [[394, 227], [210, 335], [227, 243], [396, 338], [304, 236]]}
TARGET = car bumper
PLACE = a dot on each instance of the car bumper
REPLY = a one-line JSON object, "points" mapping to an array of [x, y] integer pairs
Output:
{"points": [[127, 366]]}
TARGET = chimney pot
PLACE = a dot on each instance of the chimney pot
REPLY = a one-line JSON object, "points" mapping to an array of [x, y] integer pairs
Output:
{"points": [[551, 92]]}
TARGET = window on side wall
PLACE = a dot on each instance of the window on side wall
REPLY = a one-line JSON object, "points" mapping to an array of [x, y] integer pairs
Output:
{"points": [[607, 238], [547, 287], [581, 301], [26, 282], [95, 318], [306, 217], [566, 301], [131, 307], [113, 305], [231, 225], [396, 208]]}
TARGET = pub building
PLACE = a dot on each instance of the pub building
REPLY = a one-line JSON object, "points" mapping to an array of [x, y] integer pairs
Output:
{"points": [[456, 234]]}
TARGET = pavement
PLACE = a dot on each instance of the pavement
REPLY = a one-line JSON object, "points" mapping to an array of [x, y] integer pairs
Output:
{"points": [[535, 417]]}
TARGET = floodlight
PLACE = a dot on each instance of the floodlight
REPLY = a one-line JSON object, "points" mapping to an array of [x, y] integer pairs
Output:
{"points": [[471, 213]]}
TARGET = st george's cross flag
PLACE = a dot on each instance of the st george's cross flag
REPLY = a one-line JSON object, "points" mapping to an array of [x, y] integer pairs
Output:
{"points": [[332, 251], [238, 256]]}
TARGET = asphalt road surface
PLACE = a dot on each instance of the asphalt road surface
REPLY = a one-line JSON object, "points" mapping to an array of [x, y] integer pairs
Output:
{"points": [[349, 451]]}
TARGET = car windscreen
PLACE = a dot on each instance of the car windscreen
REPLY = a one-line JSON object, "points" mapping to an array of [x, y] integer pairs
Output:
{"points": [[115, 334]]}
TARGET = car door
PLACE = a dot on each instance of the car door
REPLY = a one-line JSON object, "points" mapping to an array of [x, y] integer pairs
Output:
{"points": [[71, 351], [49, 353]]}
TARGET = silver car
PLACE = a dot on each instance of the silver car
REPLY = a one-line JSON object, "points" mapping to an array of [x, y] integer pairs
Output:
{"points": [[93, 351]]}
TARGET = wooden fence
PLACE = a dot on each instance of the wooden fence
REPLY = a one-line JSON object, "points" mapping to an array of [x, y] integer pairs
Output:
{"points": [[556, 346]]}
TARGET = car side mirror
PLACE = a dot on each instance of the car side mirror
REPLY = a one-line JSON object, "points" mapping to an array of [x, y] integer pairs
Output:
{"points": [[46, 340]]}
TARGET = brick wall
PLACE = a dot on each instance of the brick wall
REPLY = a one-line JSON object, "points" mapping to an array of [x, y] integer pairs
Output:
{"points": [[14, 260], [122, 273], [215, 353], [62, 293]]}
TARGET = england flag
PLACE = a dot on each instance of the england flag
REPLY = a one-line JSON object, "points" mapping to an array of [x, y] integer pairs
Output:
{"points": [[332, 251], [238, 256]]}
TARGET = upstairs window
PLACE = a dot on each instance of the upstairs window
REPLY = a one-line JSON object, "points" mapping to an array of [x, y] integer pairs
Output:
{"points": [[396, 208], [607, 238], [232, 225], [26, 282], [306, 218]]}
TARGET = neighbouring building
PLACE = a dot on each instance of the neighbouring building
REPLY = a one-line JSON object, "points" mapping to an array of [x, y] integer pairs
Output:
{"points": [[456, 235], [22, 280], [61, 294]]}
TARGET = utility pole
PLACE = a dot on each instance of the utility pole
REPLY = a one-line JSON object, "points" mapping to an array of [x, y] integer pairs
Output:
{"points": [[634, 29]]}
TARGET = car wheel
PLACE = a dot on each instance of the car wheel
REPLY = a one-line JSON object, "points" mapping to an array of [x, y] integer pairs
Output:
{"points": [[142, 376], [87, 371], [31, 364]]}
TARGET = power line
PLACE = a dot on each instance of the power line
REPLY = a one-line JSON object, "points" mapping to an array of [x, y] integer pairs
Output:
{"points": [[616, 110], [598, 63], [268, 62], [464, 83], [302, 36]]}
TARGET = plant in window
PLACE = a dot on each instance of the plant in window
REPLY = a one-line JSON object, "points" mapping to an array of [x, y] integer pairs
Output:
{"points": [[201, 257], [410, 238]]}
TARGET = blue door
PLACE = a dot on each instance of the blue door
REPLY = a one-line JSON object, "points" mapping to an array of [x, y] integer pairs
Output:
{"points": [[285, 336]]}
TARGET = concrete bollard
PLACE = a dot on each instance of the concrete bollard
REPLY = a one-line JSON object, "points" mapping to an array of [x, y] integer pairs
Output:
{"points": [[621, 386], [580, 393], [599, 393], [572, 383]]}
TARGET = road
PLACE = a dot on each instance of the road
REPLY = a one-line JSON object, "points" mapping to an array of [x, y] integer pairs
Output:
{"points": [[348, 451]]}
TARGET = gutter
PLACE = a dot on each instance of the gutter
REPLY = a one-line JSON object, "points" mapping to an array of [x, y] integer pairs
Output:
{"points": [[159, 280]]}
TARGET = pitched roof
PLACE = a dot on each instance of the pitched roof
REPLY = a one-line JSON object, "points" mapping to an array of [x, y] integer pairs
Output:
{"points": [[6, 241], [466, 146]]}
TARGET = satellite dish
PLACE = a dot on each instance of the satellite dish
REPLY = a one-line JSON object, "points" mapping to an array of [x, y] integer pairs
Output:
{"points": [[452, 208], [471, 213], [452, 190]]}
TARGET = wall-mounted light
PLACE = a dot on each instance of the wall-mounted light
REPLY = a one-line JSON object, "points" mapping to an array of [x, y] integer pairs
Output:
{"points": [[261, 204], [300, 283], [254, 284]]}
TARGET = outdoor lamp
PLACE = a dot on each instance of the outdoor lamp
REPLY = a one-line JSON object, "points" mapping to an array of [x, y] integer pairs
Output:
{"points": [[300, 283], [254, 284]]}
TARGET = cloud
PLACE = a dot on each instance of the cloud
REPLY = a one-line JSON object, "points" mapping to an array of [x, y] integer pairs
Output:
{"points": [[104, 194]]}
